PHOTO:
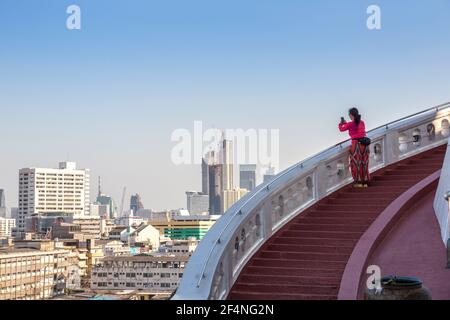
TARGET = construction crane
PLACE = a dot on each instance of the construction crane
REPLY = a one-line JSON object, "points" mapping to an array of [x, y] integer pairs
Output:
{"points": [[122, 202]]}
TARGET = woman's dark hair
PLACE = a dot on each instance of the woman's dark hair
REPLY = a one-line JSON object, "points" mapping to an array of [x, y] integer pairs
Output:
{"points": [[356, 116]]}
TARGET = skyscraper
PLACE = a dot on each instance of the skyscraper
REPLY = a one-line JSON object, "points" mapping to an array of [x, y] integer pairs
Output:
{"points": [[227, 164], [247, 176], [105, 200], [209, 159], [136, 203], [3, 212], [270, 173], [215, 189], [205, 176], [44, 190], [2, 198]]}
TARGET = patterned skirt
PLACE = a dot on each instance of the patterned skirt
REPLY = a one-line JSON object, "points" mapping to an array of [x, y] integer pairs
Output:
{"points": [[359, 162]]}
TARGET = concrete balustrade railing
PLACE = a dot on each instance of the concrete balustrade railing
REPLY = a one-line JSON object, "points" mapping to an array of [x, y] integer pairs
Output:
{"points": [[441, 203], [240, 232]]}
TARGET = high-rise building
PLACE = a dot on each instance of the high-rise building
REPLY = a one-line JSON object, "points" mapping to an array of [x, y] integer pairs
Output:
{"points": [[215, 189], [247, 176], [100, 210], [210, 158], [197, 203], [3, 212], [136, 203], [108, 201], [2, 198], [14, 214], [227, 164], [230, 197], [105, 200], [205, 177], [270, 173], [45, 190]]}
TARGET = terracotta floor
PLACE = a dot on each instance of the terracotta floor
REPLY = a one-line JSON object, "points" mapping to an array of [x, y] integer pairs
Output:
{"points": [[414, 248]]}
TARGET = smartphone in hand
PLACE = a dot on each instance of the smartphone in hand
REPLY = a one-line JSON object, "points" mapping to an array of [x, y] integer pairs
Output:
{"points": [[342, 120]]}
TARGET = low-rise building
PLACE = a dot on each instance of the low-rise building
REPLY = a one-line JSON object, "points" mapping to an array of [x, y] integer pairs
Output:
{"points": [[106, 225], [33, 271], [68, 231], [112, 248], [6, 227], [179, 247], [129, 220], [157, 272], [121, 233], [94, 255], [78, 249], [89, 226], [184, 227], [145, 234], [44, 224]]}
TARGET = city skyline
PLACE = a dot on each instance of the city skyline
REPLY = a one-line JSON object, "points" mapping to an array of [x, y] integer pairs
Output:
{"points": [[113, 92]]}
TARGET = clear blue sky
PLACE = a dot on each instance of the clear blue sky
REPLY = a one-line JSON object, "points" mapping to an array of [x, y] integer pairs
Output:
{"points": [[110, 94]]}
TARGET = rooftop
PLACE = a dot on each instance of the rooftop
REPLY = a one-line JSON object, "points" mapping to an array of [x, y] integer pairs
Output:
{"points": [[148, 257]]}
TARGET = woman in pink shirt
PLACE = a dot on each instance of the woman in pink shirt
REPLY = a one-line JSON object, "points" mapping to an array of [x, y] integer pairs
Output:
{"points": [[359, 152]]}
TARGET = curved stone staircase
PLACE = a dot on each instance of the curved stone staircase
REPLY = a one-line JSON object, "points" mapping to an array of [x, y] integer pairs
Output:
{"points": [[307, 257]]}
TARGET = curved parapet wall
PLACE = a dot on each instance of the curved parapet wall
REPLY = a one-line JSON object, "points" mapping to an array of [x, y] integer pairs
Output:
{"points": [[235, 237], [441, 204]]}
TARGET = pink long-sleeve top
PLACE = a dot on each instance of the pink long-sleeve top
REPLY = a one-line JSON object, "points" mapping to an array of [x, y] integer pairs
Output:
{"points": [[355, 131]]}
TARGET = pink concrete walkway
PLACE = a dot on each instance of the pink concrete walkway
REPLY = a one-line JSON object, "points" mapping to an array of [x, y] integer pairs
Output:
{"points": [[414, 248]]}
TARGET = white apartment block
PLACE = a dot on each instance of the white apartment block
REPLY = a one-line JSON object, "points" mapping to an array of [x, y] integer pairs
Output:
{"points": [[44, 190], [6, 226], [146, 272]]}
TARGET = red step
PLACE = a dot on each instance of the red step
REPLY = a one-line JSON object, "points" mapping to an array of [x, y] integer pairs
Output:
{"points": [[309, 248], [362, 201], [317, 256], [291, 279], [299, 226], [357, 207], [295, 272], [291, 263], [298, 289], [313, 241], [393, 183], [306, 220], [413, 176], [369, 213], [248, 295], [322, 234]]}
